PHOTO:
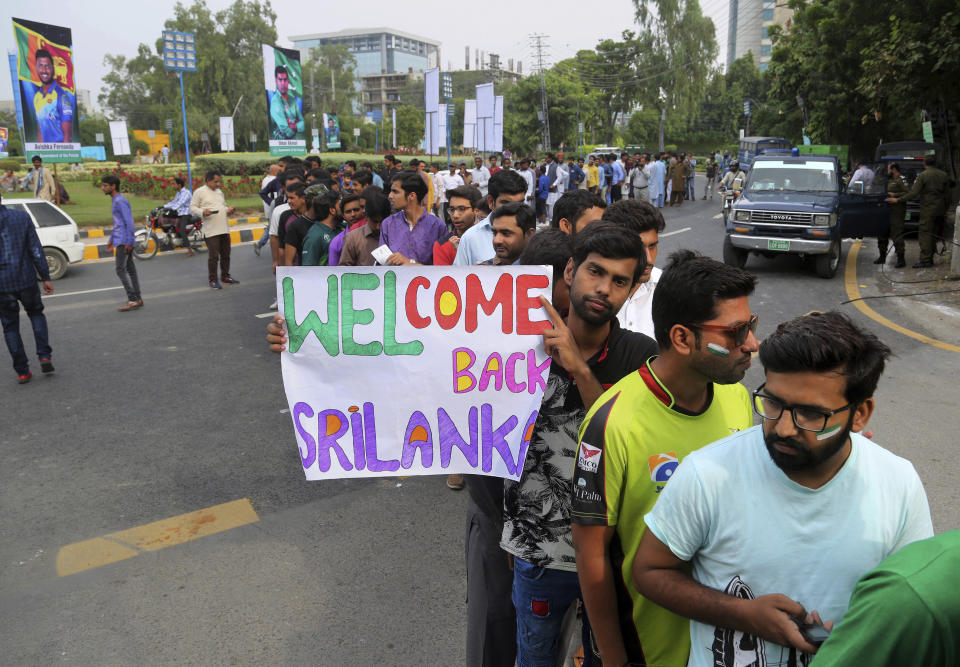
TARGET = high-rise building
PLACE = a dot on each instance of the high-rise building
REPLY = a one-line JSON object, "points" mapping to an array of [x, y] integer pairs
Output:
{"points": [[377, 50], [742, 26]]}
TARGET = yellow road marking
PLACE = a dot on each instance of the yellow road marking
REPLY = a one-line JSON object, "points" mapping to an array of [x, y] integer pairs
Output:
{"points": [[853, 292], [99, 551]]}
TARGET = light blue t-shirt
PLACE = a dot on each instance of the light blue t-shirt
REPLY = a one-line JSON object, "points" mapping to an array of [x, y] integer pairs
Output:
{"points": [[476, 244], [749, 530]]}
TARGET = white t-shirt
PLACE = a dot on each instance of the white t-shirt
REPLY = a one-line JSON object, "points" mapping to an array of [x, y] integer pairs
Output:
{"points": [[481, 176], [275, 217], [451, 182], [637, 313], [749, 530]]}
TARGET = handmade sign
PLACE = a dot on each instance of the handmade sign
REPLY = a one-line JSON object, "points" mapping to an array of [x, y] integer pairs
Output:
{"points": [[414, 371]]}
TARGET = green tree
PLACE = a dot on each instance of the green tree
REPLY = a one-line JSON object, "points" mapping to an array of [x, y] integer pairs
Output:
{"points": [[616, 78], [683, 47], [229, 71], [521, 103], [409, 125], [819, 62], [909, 56], [330, 81]]}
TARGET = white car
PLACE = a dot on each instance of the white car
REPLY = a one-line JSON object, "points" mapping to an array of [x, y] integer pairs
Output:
{"points": [[58, 233]]}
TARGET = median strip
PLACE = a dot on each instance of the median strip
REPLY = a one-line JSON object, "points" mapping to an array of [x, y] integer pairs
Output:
{"points": [[124, 544]]}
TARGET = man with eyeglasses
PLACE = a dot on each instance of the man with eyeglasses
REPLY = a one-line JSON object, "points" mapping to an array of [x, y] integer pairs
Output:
{"points": [[636, 433], [779, 521]]}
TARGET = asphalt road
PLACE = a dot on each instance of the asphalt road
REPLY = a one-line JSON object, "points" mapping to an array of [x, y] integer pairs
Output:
{"points": [[179, 407]]}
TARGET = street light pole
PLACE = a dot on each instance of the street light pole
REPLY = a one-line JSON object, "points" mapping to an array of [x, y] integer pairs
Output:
{"points": [[180, 55], [186, 140]]}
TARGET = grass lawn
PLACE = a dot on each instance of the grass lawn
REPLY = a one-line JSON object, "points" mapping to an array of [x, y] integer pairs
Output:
{"points": [[92, 207]]}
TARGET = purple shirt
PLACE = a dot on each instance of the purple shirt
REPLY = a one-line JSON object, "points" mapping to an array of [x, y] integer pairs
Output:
{"points": [[122, 233], [336, 247], [416, 243]]}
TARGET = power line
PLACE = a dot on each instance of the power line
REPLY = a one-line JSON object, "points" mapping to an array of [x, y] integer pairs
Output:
{"points": [[537, 43]]}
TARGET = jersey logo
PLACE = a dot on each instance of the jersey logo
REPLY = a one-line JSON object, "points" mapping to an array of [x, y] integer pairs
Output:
{"points": [[589, 458], [662, 467]]}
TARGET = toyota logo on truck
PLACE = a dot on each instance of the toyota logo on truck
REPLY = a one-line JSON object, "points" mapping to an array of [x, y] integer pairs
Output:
{"points": [[781, 217]]}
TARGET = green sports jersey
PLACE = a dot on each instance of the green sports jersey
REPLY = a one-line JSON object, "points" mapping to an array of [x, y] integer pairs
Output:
{"points": [[904, 612], [631, 441], [316, 244]]}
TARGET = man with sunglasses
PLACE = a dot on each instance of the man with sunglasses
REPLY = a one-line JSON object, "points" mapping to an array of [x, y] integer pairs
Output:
{"points": [[782, 519], [636, 433]]}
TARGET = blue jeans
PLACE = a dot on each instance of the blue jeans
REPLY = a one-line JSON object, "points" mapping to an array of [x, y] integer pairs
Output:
{"points": [[541, 596], [10, 317]]}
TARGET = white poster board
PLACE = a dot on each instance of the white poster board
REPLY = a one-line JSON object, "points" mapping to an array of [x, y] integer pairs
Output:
{"points": [[431, 105], [226, 133], [398, 372], [442, 132], [119, 137], [486, 107], [497, 124], [469, 123]]}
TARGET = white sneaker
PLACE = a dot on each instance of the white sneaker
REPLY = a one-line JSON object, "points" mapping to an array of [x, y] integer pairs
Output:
{"points": [[273, 306]]}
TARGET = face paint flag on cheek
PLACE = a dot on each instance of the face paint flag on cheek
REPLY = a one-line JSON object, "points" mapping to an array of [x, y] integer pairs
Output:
{"points": [[718, 350], [829, 432]]}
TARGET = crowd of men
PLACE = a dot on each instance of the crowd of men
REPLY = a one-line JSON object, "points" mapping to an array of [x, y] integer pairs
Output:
{"points": [[648, 500]]}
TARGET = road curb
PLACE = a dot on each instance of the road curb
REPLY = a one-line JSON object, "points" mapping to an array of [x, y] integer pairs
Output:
{"points": [[98, 232], [237, 236]]}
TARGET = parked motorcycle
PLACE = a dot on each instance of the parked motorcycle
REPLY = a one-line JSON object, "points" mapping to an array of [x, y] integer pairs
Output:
{"points": [[160, 233]]}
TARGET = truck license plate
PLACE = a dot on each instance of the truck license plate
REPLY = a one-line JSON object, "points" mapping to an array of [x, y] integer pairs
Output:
{"points": [[777, 244]]}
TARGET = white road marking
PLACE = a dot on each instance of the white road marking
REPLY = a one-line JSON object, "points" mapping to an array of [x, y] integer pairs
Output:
{"points": [[718, 216], [86, 291], [676, 231]]}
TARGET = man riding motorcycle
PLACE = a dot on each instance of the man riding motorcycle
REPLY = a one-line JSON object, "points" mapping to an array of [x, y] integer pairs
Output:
{"points": [[181, 204], [732, 175]]}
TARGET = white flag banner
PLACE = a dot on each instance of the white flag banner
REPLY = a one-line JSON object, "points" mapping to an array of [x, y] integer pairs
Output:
{"points": [[497, 124], [431, 89], [435, 371], [486, 107], [119, 137], [226, 133], [469, 123], [442, 132]]}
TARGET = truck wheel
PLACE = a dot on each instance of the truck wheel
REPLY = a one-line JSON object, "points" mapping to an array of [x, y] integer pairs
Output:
{"points": [[827, 264], [732, 255], [57, 263]]}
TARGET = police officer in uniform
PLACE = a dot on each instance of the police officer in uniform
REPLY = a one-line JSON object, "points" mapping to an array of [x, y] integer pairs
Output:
{"points": [[895, 188], [932, 187]]}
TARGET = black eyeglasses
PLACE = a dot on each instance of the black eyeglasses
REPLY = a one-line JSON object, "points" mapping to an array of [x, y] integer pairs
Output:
{"points": [[804, 417], [738, 332]]}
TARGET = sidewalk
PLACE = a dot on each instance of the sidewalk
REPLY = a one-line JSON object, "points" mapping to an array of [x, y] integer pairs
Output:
{"points": [[243, 230], [922, 304]]}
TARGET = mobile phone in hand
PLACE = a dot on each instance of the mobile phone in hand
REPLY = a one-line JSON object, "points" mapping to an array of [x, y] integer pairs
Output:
{"points": [[214, 212], [814, 633]]}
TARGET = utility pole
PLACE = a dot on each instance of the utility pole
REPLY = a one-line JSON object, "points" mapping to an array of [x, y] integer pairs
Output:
{"points": [[537, 44]]}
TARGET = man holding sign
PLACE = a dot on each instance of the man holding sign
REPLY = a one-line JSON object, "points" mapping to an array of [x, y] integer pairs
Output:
{"points": [[590, 352]]}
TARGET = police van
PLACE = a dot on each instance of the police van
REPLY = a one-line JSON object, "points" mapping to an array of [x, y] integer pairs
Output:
{"points": [[799, 205]]}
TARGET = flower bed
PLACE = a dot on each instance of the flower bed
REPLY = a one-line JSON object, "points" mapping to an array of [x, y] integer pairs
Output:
{"points": [[147, 184]]}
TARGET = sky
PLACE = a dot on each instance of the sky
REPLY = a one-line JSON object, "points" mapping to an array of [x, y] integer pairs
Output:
{"points": [[496, 26]]}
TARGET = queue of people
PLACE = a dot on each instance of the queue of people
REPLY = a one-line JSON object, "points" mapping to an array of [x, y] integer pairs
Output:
{"points": [[648, 500]]}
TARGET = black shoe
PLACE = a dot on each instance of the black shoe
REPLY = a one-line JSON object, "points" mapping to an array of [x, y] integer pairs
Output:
{"points": [[880, 260], [901, 262], [923, 265], [46, 365]]}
